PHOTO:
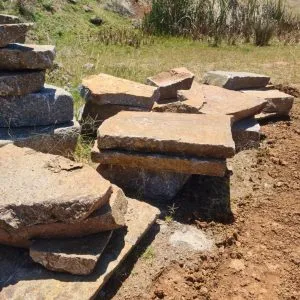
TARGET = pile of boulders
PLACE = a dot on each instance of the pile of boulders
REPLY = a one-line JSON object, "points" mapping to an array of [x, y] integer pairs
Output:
{"points": [[32, 114]]}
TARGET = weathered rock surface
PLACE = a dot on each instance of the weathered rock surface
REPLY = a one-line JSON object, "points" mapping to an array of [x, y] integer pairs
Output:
{"points": [[160, 162], [172, 81], [106, 89], [220, 101], [246, 134], [145, 184], [278, 102], [184, 134], [21, 83], [109, 217], [12, 33], [77, 256], [43, 192], [53, 139], [236, 80], [51, 105], [9, 19], [32, 281], [24, 57], [176, 107]]}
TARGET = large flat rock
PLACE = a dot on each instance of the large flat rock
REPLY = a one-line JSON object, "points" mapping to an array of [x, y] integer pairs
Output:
{"points": [[108, 217], [13, 33], [107, 89], [278, 102], [221, 101], [53, 139], [21, 83], [184, 134], [160, 162], [236, 80], [9, 19], [51, 105], [172, 81], [77, 256], [24, 57], [38, 188], [21, 278]]}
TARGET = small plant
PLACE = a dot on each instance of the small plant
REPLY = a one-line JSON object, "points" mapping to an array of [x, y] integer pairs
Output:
{"points": [[26, 8], [48, 5], [149, 254], [171, 213]]}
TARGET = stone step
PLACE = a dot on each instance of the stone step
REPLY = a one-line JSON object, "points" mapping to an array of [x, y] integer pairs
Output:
{"points": [[184, 134], [51, 105], [160, 162], [13, 33], [24, 57], [9, 19], [21, 83], [106, 89], [54, 139], [236, 80]]}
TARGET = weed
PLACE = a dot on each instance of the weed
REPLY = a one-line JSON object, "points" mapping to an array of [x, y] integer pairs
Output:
{"points": [[149, 253]]}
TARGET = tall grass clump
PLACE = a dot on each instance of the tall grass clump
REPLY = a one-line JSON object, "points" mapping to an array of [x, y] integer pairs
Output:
{"points": [[218, 20]]}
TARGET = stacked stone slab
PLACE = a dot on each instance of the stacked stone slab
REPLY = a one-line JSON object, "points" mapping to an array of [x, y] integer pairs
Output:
{"points": [[32, 113], [152, 154], [107, 95]]}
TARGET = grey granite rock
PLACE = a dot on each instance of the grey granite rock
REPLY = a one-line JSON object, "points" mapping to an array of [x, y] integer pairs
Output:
{"points": [[9, 19]]}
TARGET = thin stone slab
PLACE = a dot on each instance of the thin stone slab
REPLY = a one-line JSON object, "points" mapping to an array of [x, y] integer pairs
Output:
{"points": [[221, 101], [278, 102], [51, 105], [106, 89], [38, 188], [9, 19], [21, 83], [12, 33], [24, 57], [108, 217], [236, 80], [77, 256], [172, 81], [142, 183], [160, 162], [246, 134], [184, 134], [53, 139], [21, 278]]}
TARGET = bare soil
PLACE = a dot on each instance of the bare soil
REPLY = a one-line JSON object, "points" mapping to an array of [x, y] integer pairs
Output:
{"points": [[252, 215]]}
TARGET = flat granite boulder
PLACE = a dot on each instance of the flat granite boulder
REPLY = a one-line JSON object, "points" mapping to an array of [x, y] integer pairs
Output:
{"points": [[38, 188], [160, 162], [53, 139], [9, 19], [77, 256], [236, 80], [184, 134], [108, 217], [12, 33], [106, 89], [51, 105], [221, 101], [24, 57], [21, 82], [21, 278], [278, 102], [172, 81]]}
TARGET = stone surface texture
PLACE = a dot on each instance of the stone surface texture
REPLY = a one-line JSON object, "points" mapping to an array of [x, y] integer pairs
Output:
{"points": [[106, 89], [12, 33], [51, 105], [24, 57], [278, 102], [9, 19], [108, 217], [43, 192], [185, 134], [236, 80], [32, 281], [160, 162], [53, 139], [221, 101], [21, 83], [172, 81], [77, 256]]}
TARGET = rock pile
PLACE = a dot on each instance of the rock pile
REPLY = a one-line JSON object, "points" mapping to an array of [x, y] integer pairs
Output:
{"points": [[32, 113]]}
